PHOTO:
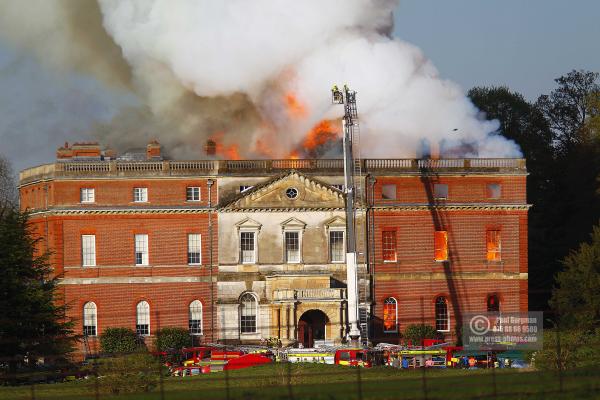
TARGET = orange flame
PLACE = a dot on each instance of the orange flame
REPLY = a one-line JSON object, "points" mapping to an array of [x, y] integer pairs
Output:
{"points": [[229, 152], [294, 107], [325, 131]]}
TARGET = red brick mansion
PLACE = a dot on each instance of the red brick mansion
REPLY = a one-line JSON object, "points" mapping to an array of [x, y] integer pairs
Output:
{"points": [[238, 251]]}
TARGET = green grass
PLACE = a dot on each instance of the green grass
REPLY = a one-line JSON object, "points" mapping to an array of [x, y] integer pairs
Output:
{"points": [[328, 382]]}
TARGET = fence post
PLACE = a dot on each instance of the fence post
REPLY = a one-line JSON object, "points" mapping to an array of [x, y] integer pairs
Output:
{"points": [[359, 383], [289, 380], [226, 375], [161, 381], [559, 358], [32, 388], [96, 381]]}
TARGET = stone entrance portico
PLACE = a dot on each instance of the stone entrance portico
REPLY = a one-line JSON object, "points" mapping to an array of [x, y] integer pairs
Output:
{"points": [[289, 305]]}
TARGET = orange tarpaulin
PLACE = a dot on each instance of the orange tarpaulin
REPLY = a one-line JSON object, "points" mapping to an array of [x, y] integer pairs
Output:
{"points": [[441, 246]]}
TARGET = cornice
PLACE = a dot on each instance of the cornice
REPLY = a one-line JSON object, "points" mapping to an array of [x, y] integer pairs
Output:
{"points": [[453, 207]]}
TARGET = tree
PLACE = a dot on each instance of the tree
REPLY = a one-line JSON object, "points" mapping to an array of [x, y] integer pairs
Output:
{"points": [[172, 338], [8, 192], [118, 341], [524, 123], [575, 298], [416, 333], [32, 319], [567, 107]]}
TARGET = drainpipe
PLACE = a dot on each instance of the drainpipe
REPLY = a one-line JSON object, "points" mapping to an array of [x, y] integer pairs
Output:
{"points": [[210, 182]]}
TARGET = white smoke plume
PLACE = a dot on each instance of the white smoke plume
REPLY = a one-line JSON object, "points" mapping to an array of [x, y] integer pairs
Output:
{"points": [[255, 75]]}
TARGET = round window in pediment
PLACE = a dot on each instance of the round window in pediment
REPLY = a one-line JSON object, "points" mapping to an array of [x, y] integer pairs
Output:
{"points": [[291, 193]]}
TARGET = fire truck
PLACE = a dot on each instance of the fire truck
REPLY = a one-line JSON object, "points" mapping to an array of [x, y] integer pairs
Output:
{"points": [[205, 359]]}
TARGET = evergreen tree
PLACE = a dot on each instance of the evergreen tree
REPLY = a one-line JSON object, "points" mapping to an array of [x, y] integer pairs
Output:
{"points": [[575, 298], [32, 320]]}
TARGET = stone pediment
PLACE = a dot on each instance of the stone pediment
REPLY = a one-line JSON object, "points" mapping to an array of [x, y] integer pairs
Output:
{"points": [[290, 191]]}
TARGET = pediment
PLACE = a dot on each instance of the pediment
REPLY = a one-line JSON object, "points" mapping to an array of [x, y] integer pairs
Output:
{"points": [[290, 191], [248, 223], [293, 223], [336, 222]]}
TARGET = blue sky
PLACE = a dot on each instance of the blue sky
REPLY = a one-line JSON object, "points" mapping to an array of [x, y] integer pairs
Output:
{"points": [[523, 44]]}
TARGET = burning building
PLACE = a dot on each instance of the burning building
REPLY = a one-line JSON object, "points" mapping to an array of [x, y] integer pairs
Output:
{"points": [[238, 251]]}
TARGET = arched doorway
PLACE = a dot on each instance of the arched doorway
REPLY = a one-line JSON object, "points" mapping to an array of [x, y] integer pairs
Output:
{"points": [[311, 327]]}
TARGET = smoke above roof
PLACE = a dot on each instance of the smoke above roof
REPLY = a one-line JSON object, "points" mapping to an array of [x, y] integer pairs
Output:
{"points": [[254, 75]]}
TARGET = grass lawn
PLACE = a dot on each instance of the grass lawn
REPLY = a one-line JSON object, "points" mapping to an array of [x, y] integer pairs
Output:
{"points": [[328, 382]]}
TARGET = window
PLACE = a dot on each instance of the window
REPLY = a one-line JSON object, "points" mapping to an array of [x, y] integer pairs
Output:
{"points": [[88, 250], [440, 243], [192, 193], [494, 190], [291, 193], [388, 192], [195, 317], [142, 324], [140, 195], [194, 249], [336, 246], [493, 249], [141, 249], [493, 303], [243, 188], [90, 319], [87, 195], [442, 320], [248, 312], [388, 244], [390, 315], [247, 247], [440, 191], [292, 247]]}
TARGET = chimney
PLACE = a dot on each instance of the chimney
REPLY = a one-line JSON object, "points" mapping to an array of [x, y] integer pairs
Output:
{"points": [[211, 147], [153, 150]]}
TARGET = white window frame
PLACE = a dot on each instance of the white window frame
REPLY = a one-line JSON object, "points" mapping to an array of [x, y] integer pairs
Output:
{"points": [[141, 246], [395, 330], [255, 251], [142, 317], [343, 260], [285, 250], [90, 319], [447, 314], [191, 238], [87, 195], [256, 313], [88, 250], [195, 193], [196, 309], [140, 194]]}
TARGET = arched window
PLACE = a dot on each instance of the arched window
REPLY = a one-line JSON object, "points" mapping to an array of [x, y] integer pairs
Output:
{"points": [[195, 317], [142, 325], [493, 303], [442, 319], [248, 313], [390, 315], [90, 319]]}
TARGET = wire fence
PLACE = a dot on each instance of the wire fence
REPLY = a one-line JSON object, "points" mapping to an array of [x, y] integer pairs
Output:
{"points": [[561, 370]]}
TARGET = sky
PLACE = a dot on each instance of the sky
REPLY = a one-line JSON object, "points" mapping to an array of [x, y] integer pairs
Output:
{"points": [[523, 44]]}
